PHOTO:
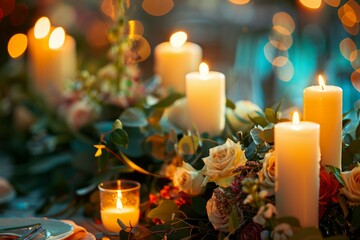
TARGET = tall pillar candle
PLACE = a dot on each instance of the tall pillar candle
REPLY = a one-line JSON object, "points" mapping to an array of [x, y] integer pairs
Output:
{"points": [[323, 105], [297, 155], [205, 92], [174, 59]]}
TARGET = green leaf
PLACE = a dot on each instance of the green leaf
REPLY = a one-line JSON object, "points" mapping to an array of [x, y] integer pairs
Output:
{"points": [[199, 205], [164, 211], [270, 115], [156, 145], [347, 113], [166, 102], [188, 145], [278, 107], [259, 120], [133, 117], [117, 124], [355, 218], [337, 173], [119, 137], [230, 104], [267, 135], [292, 221], [354, 146], [310, 233], [234, 220]]}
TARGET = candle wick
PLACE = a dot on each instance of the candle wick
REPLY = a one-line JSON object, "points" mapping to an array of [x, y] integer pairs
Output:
{"points": [[322, 87]]}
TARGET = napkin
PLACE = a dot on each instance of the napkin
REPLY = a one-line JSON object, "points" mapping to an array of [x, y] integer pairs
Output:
{"points": [[78, 233]]}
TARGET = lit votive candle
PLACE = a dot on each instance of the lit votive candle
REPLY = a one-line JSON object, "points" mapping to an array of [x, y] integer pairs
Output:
{"points": [[119, 199], [297, 154], [174, 59], [323, 105]]}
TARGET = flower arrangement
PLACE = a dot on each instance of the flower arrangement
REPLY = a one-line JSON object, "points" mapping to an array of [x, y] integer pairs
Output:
{"points": [[224, 187]]}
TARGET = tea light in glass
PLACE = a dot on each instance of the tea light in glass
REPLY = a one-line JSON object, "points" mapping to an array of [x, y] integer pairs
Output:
{"points": [[119, 199]]}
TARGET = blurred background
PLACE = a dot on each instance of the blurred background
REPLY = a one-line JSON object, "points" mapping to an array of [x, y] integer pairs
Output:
{"points": [[268, 50]]}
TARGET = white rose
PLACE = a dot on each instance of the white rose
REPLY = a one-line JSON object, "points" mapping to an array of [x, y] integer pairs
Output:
{"points": [[352, 187], [267, 173], [188, 180], [239, 117], [221, 163], [177, 113]]}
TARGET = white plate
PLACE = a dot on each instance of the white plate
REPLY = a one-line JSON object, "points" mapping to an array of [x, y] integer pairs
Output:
{"points": [[57, 229]]}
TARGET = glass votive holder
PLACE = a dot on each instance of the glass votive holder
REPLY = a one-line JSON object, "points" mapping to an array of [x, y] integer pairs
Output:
{"points": [[119, 199]]}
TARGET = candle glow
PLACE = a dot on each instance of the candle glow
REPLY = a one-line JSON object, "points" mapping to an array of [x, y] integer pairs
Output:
{"points": [[57, 38], [203, 69], [42, 28], [296, 118], [321, 82]]}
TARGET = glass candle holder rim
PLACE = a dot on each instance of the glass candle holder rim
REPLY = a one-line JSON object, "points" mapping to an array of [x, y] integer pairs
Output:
{"points": [[104, 189]]}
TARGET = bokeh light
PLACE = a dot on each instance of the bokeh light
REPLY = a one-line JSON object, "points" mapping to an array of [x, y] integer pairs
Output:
{"points": [[140, 49], [355, 79], [347, 47], [312, 4], [42, 27], [57, 38], [284, 20], [349, 15], [17, 45], [279, 40], [157, 7], [108, 8], [239, 2], [178, 39], [280, 61], [355, 59], [286, 72], [333, 3], [271, 53]]}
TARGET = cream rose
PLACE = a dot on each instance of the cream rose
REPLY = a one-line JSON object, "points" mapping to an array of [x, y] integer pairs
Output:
{"points": [[221, 163], [352, 185], [188, 180], [218, 218], [267, 173]]}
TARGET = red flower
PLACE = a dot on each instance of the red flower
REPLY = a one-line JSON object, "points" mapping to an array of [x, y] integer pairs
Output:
{"points": [[251, 231], [329, 188]]}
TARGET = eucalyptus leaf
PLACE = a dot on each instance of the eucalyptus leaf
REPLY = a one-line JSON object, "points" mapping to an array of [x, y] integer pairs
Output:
{"points": [[278, 107], [119, 137], [117, 124], [188, 144], [309, 233], [267, 135], [133, 117], [270, 115], [254, 133], [168, 101], [345, 122], [155, 116], [164, 211]]}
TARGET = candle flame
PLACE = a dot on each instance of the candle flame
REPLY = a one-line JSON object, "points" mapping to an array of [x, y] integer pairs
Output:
{"points": [[57, 38], [296, 118], [119, 204], [42, 27], [178, 39], [321, 82], [203, 69]]}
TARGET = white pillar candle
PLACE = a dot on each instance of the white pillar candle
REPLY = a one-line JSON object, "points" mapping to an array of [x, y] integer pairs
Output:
{"points": [[52, 60], [323, 105], [174, 59], [205, 92], [297, 164]]}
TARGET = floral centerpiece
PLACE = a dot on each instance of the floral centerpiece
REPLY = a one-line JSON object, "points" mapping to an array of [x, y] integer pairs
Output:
{"points": [[224, 187]]}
